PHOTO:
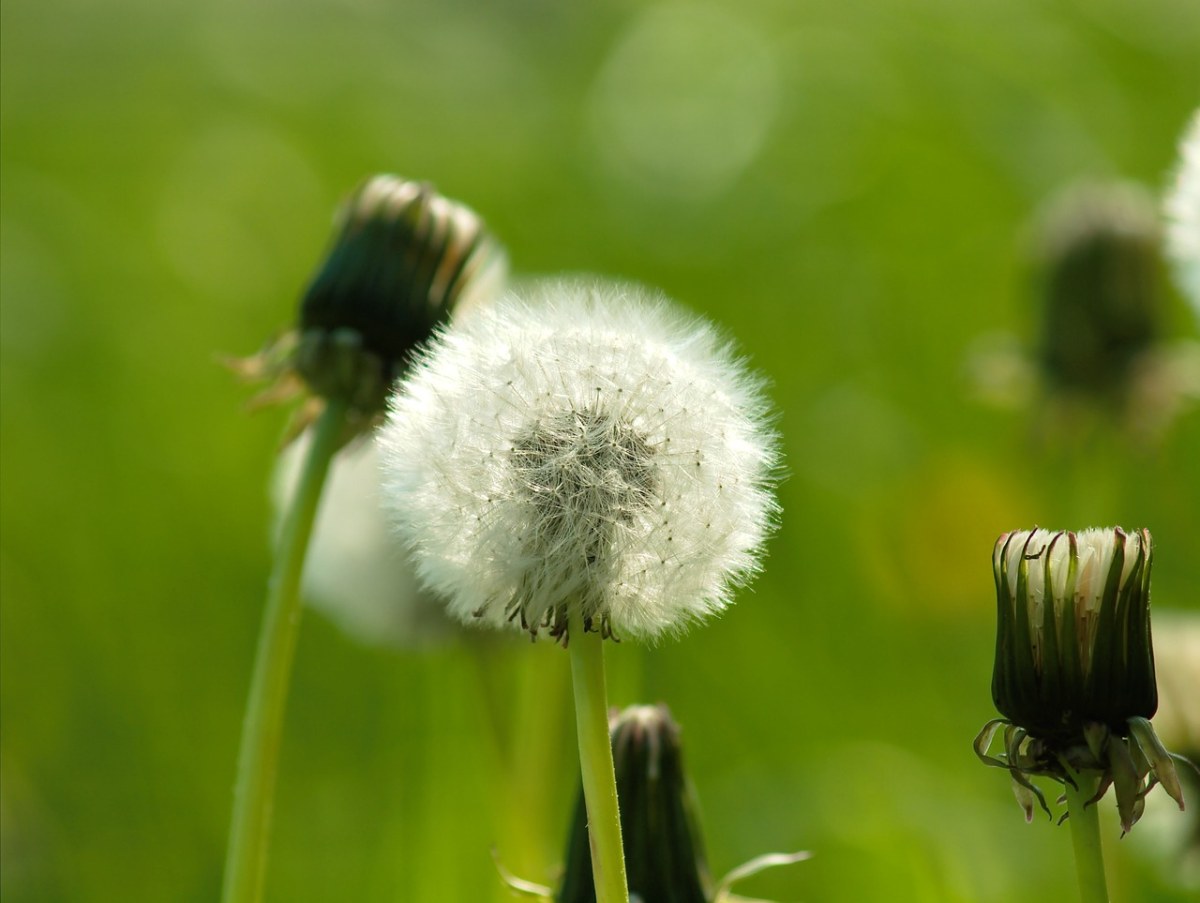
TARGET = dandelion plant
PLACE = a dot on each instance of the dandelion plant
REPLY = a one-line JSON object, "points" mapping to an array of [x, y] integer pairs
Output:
{"points": [[402, 260], [1074, 680], [588, 463]]}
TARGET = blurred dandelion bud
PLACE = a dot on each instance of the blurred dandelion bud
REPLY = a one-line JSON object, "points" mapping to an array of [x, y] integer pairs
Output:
{"points": [[588, 449], [1182, 208], [1101, 345], [354, 572], [660, 829], [403, 260], [1074, 672], [1100, 287], [664, 854]]}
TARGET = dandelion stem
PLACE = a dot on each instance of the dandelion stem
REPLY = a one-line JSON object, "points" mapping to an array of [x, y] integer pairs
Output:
{"points": [[1085, 834], [596, 762], [246, 856]]}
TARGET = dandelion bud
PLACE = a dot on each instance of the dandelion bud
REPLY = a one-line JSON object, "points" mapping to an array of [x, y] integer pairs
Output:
{"points": [[1100, 287], [588, 447], [1073, 633], [1182, 208], [1074, 672], [664, 856], [403, 258]]}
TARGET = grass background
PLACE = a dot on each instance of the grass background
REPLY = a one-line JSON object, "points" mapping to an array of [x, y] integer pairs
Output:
{"points": [[842, 186]]}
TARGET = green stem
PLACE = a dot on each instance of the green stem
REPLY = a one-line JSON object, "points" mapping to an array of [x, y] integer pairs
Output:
{"points": [[246, 856], [596, 762], [539, 703], [1085, 835]]}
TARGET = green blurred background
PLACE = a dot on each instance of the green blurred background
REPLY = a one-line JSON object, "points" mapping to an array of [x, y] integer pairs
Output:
{"points": [[842, 185]]}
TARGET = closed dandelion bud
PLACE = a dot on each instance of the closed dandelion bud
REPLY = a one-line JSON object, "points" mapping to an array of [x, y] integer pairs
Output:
{"points": [[1182, 209], [664, 856], [1100, 287], [1073, 630], [589, 449], [403, 259], [1074, 672]]}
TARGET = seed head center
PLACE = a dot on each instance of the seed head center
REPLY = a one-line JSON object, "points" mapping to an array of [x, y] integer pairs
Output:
{"points": [[584, 471]]}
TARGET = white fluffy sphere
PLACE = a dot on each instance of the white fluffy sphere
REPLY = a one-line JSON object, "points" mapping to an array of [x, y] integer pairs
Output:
{"points": [[585, 445]]}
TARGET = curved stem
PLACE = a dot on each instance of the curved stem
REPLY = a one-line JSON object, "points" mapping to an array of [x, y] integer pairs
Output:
{"points": [[246, 856], [1085, 835], [596, 763]]}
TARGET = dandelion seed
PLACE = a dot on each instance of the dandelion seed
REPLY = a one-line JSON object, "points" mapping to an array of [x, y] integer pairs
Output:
{"points": [[587, 446]]}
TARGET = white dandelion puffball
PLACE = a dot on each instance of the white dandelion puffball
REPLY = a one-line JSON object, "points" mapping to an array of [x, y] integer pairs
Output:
{"points": [[1182, 208], [590, 446], [354, 572]]}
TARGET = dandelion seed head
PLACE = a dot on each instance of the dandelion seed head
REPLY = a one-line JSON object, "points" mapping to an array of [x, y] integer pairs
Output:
{"points": [[585, 445]]}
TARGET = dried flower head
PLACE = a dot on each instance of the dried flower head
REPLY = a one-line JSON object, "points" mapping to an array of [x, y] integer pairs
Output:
{"points": [[1182, 208], [587, 446], [1074, 673], [402, 261]]}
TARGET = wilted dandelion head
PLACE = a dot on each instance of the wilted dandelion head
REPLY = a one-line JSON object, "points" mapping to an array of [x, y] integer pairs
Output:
{"points": [[587, 445], [1182, 208]]}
